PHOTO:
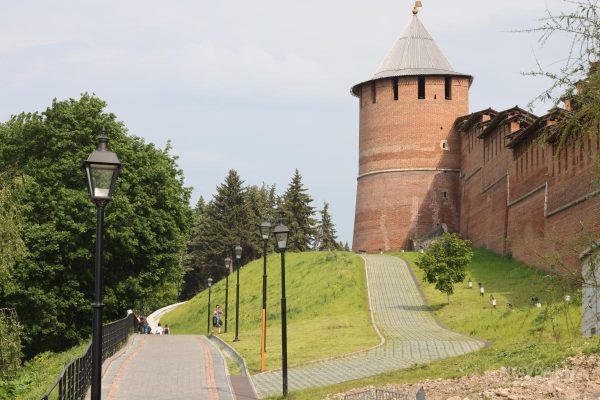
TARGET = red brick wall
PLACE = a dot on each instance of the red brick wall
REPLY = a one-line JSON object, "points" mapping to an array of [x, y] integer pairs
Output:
{"points": [[545, 220], [406, 135], [392, 208]]}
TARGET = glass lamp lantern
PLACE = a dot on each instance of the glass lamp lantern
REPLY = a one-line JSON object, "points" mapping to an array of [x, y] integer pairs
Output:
{"points": [[210, 282], [238, 252], [102, 168], [265, 230], [281, 233]]}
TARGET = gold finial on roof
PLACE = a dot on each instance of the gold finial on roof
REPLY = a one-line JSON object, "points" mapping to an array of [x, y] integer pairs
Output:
{"points": [[418, 4]]}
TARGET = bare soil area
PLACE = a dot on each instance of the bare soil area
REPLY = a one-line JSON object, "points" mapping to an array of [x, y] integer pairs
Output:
{"points": [[579, 379]]}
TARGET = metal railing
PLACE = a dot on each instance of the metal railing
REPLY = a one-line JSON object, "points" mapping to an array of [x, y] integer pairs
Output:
{"points": [[379, 394], [75, 379]]}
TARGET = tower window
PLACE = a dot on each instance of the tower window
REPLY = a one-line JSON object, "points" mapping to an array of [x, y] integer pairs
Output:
{"points": [[444, 145], [444, 194], [448, 87], [395, 83], [373, 92], [421, 87]]}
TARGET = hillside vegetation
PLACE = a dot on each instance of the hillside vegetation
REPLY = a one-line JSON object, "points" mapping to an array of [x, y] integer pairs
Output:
{"points": [[328, 311], [526, 339], [37, 375]]}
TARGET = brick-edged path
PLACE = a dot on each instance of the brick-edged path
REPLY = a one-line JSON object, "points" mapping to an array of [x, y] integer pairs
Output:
{"points": [[157, 367], [411, 334]]}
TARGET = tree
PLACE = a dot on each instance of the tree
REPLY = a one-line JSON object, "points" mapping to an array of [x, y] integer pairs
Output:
{"points": [[445, 261], [10, 343], [298, 215], [326, 235], [146, 223], [577, 79], [12, 248]]}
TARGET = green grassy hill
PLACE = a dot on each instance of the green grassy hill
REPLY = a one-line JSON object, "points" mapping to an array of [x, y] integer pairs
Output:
{"points": [[328, 311], [529, 340]]}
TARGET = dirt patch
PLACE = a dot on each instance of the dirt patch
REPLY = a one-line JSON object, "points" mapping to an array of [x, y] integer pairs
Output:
{"points": [[578, 379]]}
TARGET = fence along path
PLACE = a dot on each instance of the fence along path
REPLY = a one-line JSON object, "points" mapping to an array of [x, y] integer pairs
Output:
{"points": [[412, 335]]}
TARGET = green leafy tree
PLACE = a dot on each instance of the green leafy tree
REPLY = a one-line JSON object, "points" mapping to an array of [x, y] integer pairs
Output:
{"points": [[10, 343], [299, 215], [12, 248], [445, 261], [326, 237], [146, 223], [576, 79]]}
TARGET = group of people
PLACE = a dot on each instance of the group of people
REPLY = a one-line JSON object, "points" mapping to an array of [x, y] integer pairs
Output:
{"points": [[145, 328]]}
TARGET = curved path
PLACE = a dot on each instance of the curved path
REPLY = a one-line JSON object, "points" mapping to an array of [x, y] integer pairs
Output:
{"points": [[412, 335], [156, 367]]}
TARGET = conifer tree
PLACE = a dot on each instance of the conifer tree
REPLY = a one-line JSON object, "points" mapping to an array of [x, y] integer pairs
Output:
{"points": [[326, 234], [228, 220], [298, 215]]}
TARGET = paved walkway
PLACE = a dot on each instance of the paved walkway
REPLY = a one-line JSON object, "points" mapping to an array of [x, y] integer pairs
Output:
{"points": [[411, 334], [157, 367]]}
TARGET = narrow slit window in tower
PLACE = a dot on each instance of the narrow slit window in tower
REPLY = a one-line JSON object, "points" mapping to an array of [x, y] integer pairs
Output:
{"points": [[421, 87], [395, 83], [444, 194], [448, 87], [373, 92]]}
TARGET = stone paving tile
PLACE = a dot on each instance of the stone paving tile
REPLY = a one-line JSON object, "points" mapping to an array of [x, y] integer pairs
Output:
{"points": [[167, 367], [412, 335]]}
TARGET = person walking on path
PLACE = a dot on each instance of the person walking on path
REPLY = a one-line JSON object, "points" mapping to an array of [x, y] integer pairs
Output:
{"points": [[217, 319], [166, 330], [159, 330]]}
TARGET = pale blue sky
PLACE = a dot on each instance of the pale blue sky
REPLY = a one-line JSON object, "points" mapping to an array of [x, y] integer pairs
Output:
{"points": [[263, 86]]}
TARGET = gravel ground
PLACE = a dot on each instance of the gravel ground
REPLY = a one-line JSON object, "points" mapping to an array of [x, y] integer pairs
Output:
{"points": [[578, 379]]}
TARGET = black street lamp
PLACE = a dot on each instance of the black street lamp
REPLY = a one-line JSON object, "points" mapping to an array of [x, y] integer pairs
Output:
{"points": [[281, 233], [101, 168], [209, 282], [265, 232], [228, 267], [238, 260]]}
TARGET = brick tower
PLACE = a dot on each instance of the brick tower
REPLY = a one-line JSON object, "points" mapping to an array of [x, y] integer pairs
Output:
{"points": [[409, 157]]}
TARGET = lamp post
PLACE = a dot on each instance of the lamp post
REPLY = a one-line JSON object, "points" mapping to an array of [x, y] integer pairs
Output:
{"points": [[228, 267], [101, 168], [209, 282], [238, 260], [265, 232], [281, 233]]}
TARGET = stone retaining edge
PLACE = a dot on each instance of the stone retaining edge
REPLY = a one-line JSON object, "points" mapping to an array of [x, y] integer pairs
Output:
{"points": [[155, 316], [230, 351]]}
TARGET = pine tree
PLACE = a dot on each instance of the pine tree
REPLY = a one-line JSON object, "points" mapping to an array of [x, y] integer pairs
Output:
{"points": [[225, 223], [326, 234], [299, 215]]}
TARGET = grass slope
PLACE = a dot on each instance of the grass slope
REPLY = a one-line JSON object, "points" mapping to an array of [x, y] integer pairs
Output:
{"points": [[327, 309], [525, 338], [36, 376]]}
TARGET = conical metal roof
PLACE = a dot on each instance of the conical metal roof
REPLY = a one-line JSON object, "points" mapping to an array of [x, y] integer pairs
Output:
{"points": [[414, 53]]}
